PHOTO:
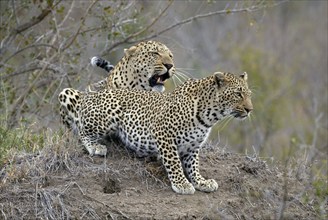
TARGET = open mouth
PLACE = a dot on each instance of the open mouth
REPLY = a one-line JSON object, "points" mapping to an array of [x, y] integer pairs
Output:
{"points": [[158, 79]]}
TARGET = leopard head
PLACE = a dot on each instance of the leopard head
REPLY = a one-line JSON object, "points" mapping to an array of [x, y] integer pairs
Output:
{"points": [[233, 95], [145, 66]]}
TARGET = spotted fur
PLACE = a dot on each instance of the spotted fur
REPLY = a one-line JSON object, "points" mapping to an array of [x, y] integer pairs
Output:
{"points": [[145, 66], [172, 125]]}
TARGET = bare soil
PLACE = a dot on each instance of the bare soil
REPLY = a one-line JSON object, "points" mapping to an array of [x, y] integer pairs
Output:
{"points": [[63, 182]]}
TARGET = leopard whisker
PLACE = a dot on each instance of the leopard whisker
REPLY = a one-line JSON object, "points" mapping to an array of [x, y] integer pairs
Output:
{"points": [[176, 76], [183, 78], [251, 117], [174, 82], [187, 74], [225, 122], [182, 75]]}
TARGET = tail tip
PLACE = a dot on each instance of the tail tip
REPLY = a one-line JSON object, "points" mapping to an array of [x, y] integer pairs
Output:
{"points": [[95, 61]]}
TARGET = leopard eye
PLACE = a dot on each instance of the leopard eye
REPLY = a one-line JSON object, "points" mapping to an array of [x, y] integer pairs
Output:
{"points": [[154, 53], [239, 94]]}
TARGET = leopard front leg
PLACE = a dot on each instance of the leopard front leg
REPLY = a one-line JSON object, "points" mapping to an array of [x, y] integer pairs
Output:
{"points": [[92, 145], [171, 161], [190, 161]]}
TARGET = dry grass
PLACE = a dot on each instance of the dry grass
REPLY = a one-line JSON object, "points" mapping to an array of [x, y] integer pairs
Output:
{"points": [[61, 182]]}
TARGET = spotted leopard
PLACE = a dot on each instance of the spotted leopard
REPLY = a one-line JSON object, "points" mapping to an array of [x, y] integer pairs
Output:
{"points": [[172, 125], [145, 66]]}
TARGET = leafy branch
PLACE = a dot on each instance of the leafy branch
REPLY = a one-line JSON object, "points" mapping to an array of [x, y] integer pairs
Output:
{"points": [[27, 25], [25, 48], [81, 24], [126, 40], [188, 20]]}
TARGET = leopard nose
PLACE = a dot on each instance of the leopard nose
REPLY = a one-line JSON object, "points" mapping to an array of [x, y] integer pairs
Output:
{"points": [[248, 106], [168, 66], [248, 110]]}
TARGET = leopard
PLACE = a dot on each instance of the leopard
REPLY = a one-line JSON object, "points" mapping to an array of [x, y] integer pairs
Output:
{"points": [[145, 66], [173, 125]]}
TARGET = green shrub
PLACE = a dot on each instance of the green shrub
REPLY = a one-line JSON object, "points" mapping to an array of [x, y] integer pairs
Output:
{"points": [[18, 139]]}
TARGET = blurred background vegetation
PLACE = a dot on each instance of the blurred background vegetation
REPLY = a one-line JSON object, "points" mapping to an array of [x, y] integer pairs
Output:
{"points": [[46, 45]]}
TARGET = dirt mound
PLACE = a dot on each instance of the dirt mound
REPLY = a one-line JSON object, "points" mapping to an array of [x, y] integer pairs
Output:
{"points": [[62, 182]]}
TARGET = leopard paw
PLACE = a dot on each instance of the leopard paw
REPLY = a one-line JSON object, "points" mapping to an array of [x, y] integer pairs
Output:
{"points": [[209, 185], [100, 150], [183, 188]]}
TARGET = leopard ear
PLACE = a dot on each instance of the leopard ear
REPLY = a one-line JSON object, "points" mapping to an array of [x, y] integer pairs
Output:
{"points": [[244, 76], [130, 51], [220, 79]]}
